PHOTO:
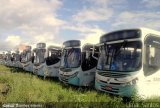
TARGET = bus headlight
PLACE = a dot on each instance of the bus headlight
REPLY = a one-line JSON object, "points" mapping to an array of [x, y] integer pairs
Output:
{"points": [[97, 80], [132, 82]]}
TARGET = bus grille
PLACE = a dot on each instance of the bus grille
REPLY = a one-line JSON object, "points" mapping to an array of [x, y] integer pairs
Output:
{"points": [[113, 74], [65, 69], [65, 78], [111, 90]]}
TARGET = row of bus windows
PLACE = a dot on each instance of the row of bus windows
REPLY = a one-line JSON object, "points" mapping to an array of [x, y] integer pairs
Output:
{"points": [[36, 57], [152, 59], [127, 56], [121, 57], [53, 57], [73, 58]]}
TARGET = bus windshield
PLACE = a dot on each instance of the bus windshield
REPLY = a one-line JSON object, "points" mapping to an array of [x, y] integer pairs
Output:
{"points": [[8, 57], [39, 56], [23, 56], [17, 57], [71, 58], [120, 57], [28, 56], [53, 56]]}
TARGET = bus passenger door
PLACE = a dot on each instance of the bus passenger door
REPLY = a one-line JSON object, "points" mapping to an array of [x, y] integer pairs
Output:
{"points": [[151, 64]]}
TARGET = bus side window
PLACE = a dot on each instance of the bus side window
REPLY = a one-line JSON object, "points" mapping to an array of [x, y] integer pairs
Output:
{"points": [[152, 55]]}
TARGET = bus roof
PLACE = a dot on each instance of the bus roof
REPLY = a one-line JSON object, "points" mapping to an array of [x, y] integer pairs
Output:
{"points": [[54, 47], [72, 43], [140, 28], [122, 34], [146, 31]]}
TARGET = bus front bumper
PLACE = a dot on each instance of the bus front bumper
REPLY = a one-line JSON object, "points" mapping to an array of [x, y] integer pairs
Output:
{"points": [[124, 91]]}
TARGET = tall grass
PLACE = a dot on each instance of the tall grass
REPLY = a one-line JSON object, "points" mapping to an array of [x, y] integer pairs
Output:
{"points": [[25, 87]]}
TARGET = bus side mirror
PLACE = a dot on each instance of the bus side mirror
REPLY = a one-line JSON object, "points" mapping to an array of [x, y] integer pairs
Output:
{"points": [[151, 56], [87, 54], [93, 53]]}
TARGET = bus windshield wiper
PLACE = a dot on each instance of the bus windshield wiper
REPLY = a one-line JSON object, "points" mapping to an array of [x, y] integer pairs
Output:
{"points": [[118, 50], [112, 53], [106, 53]]}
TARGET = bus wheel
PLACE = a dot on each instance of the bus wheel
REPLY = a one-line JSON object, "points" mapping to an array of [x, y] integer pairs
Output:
{"points": [[126, 99]]}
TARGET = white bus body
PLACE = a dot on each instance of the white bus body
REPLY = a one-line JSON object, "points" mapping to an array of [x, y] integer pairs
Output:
{"points": [[27, 59], [129, 62], [8, 61], [16, 60], [77, 67], [53, 61], [39, 67]]}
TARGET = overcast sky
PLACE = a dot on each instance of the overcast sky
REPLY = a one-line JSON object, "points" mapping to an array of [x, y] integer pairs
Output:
{"points": [[55, 21]]}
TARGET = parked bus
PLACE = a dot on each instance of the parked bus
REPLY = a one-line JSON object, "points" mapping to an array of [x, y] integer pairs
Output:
{"points": [[129, 62], [22, 57], [77, 64], [12, 58], [16, 62], [39, 66], [3, 59], [27, 59], [8, 61], [53, 61]]}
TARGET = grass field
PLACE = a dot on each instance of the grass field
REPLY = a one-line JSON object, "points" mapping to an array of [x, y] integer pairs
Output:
{"points": [[20, 86]]}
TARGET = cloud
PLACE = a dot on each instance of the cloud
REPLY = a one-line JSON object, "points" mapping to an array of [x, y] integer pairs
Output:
{"points": [[30, 19], [53, 21], [13, 39], [93, 14], [99, 2], [137, 19], [89, 34], [151, 3], [105, 3], [98, 10], [80, 27], [93, 37], [10, 43], [21, 47], [20, 12], [33, 21]]}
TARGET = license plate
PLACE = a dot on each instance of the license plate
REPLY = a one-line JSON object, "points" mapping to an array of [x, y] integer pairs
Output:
{"points": [[50, 67], [108, 88]]}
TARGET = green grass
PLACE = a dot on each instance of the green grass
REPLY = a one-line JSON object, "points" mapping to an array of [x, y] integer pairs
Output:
{"points": [[25, 87]]}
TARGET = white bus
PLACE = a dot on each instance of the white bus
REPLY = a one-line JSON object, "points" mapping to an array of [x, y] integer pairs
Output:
{"points": [[129, 62], [12, 58], [27, 59], [16, 60], [3, 58], [8, 61], [53, 61], [39, 67], [77, 64], [22, 58]]}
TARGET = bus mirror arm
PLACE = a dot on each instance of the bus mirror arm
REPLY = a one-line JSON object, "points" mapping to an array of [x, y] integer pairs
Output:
{"points": [[94, 57], [93, 52]]}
